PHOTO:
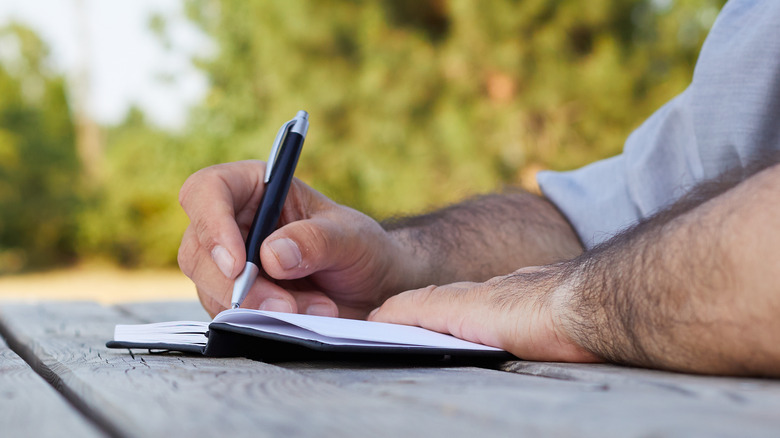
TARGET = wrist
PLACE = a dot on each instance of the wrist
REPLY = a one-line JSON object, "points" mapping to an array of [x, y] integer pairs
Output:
{"points": [[410, 263], [545, 298], [564, 301]]}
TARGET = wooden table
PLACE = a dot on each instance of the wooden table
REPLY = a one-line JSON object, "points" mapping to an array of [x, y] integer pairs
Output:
{"points": [[58, 379]]}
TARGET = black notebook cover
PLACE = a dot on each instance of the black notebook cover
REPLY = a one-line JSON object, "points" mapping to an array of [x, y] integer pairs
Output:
{"points": [[291, 337]]}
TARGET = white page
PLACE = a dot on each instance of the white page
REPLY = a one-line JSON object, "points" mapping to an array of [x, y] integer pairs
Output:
{"points": [[171, 332], [340, 331]]}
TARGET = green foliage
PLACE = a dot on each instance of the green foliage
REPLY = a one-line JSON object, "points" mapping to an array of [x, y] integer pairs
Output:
{"points": [[413, 103], [418, 103], [38, 163], [134, 217]]}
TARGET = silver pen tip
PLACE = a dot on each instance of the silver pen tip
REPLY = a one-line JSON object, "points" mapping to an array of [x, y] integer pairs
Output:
{"points": [[302, 114], [235, 306]]}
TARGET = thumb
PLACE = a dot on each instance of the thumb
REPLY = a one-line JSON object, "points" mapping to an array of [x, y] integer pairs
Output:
{"points": [[307, 246]]}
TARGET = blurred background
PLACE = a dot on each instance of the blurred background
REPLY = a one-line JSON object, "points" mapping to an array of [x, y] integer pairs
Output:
{"points": [[107, 106]]}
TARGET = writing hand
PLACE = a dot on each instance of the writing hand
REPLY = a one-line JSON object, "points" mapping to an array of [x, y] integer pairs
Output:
{"points": [[324, 259]]}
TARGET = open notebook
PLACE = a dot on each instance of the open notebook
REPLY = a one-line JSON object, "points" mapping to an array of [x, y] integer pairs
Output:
{"points": [[274, 335]]}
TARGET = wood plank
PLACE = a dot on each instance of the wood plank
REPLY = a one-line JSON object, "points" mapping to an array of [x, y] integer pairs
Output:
{"points": [[705, 387], [158, 395], [31, 407], [625, 406], [345, 399]]}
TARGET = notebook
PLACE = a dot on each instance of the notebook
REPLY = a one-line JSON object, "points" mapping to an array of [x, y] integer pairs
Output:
{"points": [[274, 335]]}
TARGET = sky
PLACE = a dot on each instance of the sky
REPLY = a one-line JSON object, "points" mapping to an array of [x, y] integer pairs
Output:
{"points": [[127, 64]]}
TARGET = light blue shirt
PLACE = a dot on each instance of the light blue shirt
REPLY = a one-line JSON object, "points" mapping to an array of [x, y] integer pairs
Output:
{"points": [[727, 117]]}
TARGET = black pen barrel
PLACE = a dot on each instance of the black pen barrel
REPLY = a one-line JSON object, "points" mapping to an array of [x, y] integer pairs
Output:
{"points": [[275, 194]]}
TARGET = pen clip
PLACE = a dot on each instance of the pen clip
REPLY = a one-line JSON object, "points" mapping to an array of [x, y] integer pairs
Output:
{"points": [[300, 125], [275, 149]]}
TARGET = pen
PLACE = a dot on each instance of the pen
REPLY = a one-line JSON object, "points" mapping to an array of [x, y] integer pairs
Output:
{"points": [[278, 176]]}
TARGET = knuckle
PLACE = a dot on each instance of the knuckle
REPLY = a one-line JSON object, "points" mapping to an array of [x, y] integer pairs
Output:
{"points": [[206, 177], [204, 232], [315, 240], [189, 184], [184, 257], [184, 262], [421, 297], [184, 191]]}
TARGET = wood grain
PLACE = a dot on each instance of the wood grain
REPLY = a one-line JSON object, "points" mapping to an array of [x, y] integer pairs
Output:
{"points": [[705, 387], [31, 407], [146, 394], [580, 400], [161, 395]]}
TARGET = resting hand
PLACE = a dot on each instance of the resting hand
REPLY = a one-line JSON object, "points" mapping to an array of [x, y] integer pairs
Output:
{"points": [[325, 259], [520, 313]]}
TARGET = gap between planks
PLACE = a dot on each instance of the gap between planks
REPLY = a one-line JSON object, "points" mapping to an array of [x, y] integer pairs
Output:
{"points": [[56, 383]]}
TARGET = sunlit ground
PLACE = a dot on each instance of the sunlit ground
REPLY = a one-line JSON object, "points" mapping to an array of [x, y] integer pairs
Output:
{"points": [[103, 284]]}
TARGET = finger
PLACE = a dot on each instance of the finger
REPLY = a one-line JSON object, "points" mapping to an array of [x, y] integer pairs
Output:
{"points": [[455, 309], [215, 292], [212, 198], [266, 295], [188, 250], [193, 256], [315, 303], [209, 303], [214, 289]]}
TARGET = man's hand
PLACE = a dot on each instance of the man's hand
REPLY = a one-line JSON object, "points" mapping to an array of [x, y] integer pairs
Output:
{"points": [[693, 288], [519, 313], [325, 259]]}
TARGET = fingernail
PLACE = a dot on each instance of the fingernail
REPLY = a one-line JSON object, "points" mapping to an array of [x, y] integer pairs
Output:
{"points": [[373, 312], [321, 310], [287, 252], [224, 260], [276, 305]]}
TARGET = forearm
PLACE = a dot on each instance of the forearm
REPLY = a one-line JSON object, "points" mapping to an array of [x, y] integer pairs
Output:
{"points": [[482, 238], [693, 289]]}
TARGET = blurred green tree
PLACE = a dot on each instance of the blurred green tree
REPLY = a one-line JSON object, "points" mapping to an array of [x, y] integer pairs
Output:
{"points": [[133, 217], [418, 103], [38, 161], [413, 103]]}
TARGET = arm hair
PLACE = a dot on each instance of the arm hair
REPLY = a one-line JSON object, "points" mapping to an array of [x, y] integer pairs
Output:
{"points": [[692, 288], [485, 236]]}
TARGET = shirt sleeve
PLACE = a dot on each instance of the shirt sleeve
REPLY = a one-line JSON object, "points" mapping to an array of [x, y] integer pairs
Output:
{"points": [[729, 116]]}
